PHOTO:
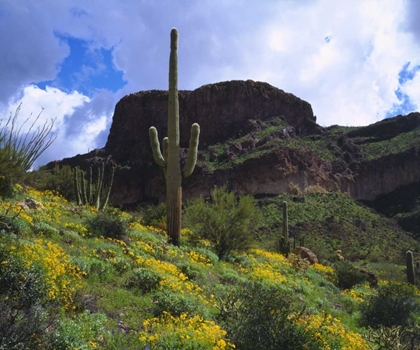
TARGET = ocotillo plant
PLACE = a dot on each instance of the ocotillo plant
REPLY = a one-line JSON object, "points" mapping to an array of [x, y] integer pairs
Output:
{"points": [[410, 267], [89, 192], [169, 160]]}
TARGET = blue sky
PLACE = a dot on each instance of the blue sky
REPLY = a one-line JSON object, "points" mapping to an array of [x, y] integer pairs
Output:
{"points": [[356, 62]]}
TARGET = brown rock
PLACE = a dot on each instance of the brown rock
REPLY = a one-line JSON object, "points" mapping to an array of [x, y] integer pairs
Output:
{"points": [[306, 253], [29, 203]]}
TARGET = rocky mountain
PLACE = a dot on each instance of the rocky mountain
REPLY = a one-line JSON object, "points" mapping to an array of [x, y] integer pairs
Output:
{"points": [[258, 139]]}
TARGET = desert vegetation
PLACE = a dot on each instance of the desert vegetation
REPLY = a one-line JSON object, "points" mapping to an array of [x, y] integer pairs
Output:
{"points": [[78, 273], [76, 277]]}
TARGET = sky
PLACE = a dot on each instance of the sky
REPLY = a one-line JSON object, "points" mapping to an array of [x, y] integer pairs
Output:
{"points": [[355, 61]]}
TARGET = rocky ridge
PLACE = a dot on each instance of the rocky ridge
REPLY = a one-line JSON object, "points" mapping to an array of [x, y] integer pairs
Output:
{"points": [[257, 139]]}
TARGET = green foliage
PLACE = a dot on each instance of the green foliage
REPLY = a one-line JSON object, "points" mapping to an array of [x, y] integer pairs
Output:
{"points": [[227, 221], [60, 179], [394, 337], [18, 150], [260, 320], [78, 333], [177, 303], [348, 275], [333, 221], [23, 304], [107, 224], [153, 214], [393, 305], [144, 279]]}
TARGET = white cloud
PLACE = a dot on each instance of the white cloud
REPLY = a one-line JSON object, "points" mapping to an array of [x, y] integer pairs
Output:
{"points": [[350, 78]]}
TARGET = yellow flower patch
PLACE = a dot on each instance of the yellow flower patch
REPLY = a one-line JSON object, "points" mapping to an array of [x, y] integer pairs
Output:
{"points": [[184, 332], [62, 278]]}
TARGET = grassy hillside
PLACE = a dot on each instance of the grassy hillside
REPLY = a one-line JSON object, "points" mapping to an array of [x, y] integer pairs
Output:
{"points": [[331, 221], [73, 278]]}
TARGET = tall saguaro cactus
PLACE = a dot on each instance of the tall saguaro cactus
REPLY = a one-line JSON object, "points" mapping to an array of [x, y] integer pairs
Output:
{"points": [[169, 160]]}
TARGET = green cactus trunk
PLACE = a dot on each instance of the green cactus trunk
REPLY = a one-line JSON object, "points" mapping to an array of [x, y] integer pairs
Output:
{"points": [[284, 241], [169, 161], [410, 267], [173, 171]]}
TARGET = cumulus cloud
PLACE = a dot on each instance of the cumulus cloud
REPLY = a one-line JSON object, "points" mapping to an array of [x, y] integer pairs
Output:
{"points": [[343, 57], [78, 120]]}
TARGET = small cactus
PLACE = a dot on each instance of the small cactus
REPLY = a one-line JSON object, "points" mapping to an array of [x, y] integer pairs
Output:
{"points": [[410, 267]]}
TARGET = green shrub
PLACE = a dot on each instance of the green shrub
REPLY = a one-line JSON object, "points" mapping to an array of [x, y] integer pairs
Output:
{"points": [[95, 269], [78, 333], [144, 279], [227, 221], [59, 180], [192, 271], [153, 214], [44, 229], [393, 305], [259, 320], [24, 309], [107, 224], [177, 303], [347, 275]]}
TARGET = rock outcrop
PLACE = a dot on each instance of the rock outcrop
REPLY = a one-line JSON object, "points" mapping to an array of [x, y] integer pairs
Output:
{"points": [[255, 139]]}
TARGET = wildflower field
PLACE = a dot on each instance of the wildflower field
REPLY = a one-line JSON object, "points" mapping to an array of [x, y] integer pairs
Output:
{"points": [[75, 278]]}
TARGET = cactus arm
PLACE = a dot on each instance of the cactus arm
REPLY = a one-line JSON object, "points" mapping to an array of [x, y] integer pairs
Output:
{"points": [[410, 267], [154, 143], [192, 151], [165, 148]]}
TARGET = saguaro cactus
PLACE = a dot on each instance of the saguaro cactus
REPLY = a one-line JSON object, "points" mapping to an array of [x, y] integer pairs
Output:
{"points": [[284, 241], [169, 160], [410, 267]]}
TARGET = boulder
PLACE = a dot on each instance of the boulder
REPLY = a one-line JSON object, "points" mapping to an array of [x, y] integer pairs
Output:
{"points": [[307, 254]]}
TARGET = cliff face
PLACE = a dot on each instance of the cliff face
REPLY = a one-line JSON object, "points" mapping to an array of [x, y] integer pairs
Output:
{"points": [[220, 109], [257, 139]]}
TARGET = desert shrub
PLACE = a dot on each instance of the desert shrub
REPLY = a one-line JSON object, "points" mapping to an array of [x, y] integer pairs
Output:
{"points": [[261, 320], [94, 268], [297, 262], [78, 333], [153, 214], [24, 308], [393, 305], [348, 275], [227, 221], [177, 303], [59, 180], [107, 224], [44, 229], [143, 279], [192, 271], [395, 337]]}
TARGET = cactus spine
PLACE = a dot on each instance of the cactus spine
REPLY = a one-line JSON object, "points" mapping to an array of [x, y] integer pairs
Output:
{"points": [[169, 160], [92, 193], [410, 267]]}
